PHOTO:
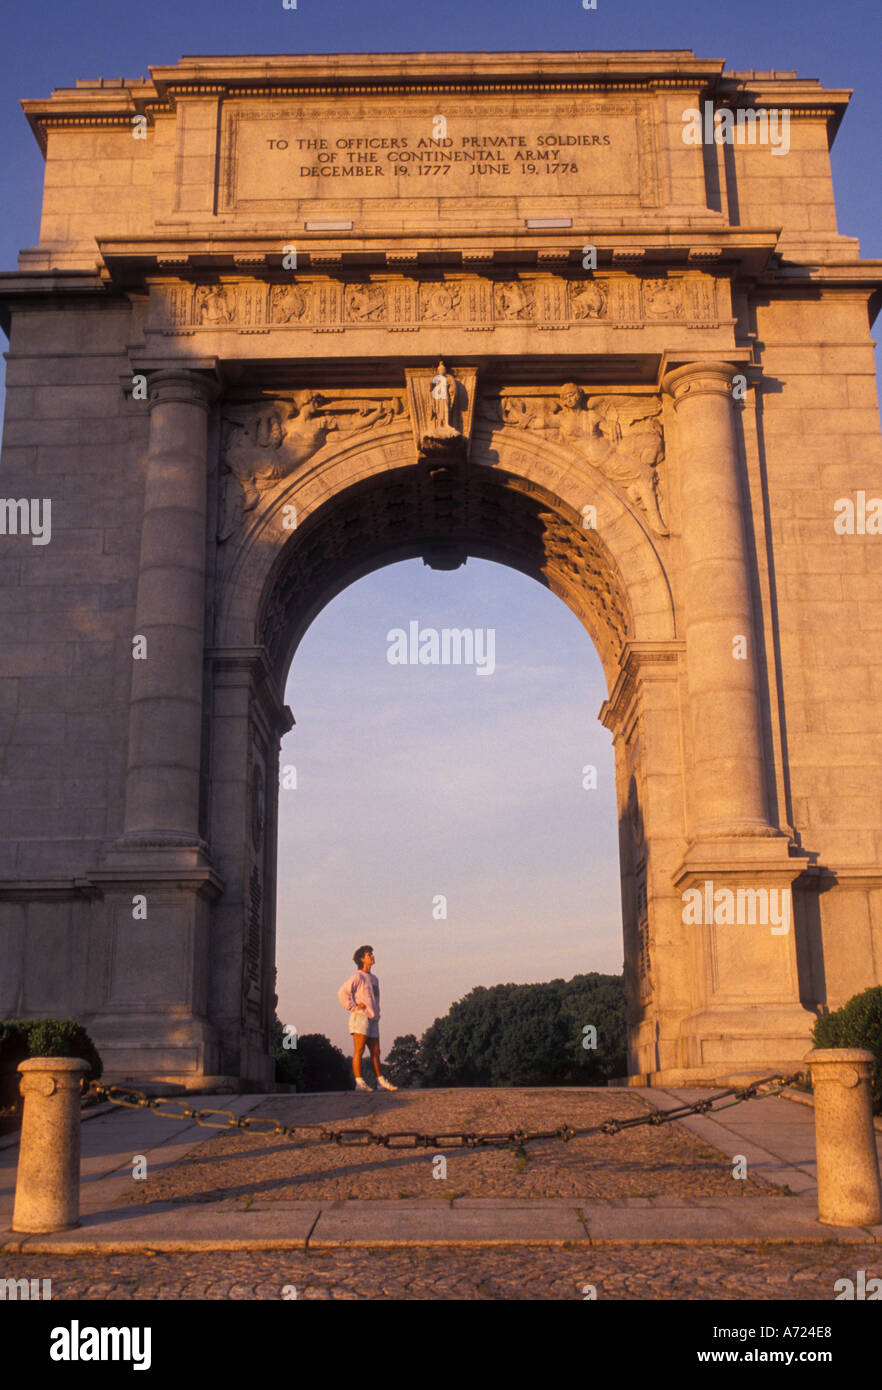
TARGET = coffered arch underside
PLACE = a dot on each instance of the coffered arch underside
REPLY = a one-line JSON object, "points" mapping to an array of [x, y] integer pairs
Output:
{"points": [[517, 502]]}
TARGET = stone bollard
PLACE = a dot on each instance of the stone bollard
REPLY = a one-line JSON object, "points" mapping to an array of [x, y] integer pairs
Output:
{"points": [[47, 1188], [848, 1168]]}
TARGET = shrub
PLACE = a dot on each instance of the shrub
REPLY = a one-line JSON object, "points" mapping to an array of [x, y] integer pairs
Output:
{"points": [[289, 1061], [857, 1024], [41, 1037], [325, 1068]]}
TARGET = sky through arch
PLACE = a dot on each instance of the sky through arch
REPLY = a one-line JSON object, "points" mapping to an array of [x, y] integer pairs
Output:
{"points": [[414, 781]]}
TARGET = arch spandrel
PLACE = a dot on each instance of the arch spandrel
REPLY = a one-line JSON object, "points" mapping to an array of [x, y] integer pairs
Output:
{"points": [[518, 501]]}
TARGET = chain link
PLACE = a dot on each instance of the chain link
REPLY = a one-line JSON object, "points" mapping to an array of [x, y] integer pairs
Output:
{"points": [[411, 1139]]}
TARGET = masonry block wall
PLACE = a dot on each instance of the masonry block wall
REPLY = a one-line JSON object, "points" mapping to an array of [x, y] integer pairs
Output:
{"points": [[160, 257]]}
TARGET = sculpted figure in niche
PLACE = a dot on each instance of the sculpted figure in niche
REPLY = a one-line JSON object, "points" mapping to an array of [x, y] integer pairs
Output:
{"points": [[622, 437], [661, 299], [441, 301], [287, 303], [590, 302], [366, 302], [215, 304], [443, 404], [513, 301]]}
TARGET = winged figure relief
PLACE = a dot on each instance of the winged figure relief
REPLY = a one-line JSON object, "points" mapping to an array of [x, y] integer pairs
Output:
{"points": [[265, 445], [622, 437]]}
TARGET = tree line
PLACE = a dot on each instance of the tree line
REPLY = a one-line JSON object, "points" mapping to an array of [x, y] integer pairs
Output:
{"points": [[563, 1033]]}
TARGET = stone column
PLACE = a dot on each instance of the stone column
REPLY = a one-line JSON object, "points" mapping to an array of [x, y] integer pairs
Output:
{"points": [[47, 1188], [728, 785], [747, 1018], [165, 718]]}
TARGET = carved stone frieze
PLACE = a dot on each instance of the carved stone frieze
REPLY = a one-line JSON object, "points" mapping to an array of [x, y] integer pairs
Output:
{"points": [[470, 301]]}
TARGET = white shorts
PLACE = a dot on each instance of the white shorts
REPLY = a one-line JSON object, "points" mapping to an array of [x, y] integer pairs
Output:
{"points": [[360, 1023]]}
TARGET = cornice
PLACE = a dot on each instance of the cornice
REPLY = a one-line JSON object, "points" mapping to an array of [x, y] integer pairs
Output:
{"points": [[107, 104]]}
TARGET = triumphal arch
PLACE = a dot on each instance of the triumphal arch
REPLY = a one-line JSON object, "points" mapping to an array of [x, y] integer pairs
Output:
{"points": [[291, 319]]}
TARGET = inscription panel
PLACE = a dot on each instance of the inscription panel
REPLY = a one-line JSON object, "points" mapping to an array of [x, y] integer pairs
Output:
{"points": [[280, 153]]}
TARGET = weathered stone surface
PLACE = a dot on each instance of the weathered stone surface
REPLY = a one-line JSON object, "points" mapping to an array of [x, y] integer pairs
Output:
{"points": [[222, 388]]}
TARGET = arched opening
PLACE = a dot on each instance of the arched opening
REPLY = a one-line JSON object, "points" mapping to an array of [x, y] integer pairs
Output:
{"points": [[445, 516], [466, 827], [525, 505]]}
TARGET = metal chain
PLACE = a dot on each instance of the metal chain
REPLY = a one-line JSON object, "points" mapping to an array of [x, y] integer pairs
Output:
{"points": [[411, 1139]]}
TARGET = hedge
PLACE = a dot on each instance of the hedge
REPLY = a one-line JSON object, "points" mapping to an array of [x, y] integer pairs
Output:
{"points": [[857, 1024], [41, 1037]]}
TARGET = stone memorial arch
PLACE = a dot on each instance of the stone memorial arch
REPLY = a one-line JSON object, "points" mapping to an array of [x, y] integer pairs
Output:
{"points": [[292, 319]]}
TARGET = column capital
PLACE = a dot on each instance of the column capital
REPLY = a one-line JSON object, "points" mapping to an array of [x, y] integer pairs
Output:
{"points": [[702, 378], [181, 384]]}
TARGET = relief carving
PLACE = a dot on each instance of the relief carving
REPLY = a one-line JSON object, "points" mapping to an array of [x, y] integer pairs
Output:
{"points": [[288, 304], [440, 301], [214, 304], [515, 301], [621, 436], [588, 301], [662, 299], [477, 302], [366, 303], [267, 443]]}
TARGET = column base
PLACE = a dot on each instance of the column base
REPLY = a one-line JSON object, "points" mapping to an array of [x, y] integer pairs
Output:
{"points": [[156, 1047]]}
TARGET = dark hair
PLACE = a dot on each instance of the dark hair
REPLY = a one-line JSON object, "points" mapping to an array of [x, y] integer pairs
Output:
{"points": [[359, 954]]}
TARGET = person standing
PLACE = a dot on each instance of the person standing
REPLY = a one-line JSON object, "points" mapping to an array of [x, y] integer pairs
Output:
{"points": [[360, 996]]}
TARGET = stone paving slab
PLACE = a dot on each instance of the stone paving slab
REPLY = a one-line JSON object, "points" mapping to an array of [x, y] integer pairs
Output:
{"points": [[301, 1225], [427, 1223], [776, 1138]]}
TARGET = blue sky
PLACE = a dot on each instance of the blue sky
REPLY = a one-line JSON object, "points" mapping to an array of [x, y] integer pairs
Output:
{"points": [[416, 781]]}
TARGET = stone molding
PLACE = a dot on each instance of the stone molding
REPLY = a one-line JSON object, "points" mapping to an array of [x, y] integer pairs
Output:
{"points": [[639, 661]]}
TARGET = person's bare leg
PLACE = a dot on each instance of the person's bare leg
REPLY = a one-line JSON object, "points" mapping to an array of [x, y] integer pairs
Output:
{"points": [[358, 1042], [374, 1045]]}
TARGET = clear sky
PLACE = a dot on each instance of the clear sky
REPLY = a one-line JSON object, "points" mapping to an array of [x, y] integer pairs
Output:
{"points": [[416, 781]]}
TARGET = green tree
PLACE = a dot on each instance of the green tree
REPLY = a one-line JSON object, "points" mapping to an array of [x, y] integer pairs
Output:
{"points": [[325, 1067], [402, 1062], [289, 1060], [529, 1035]]}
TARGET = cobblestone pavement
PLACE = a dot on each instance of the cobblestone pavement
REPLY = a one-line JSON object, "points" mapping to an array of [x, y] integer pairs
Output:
{"points": [[646, 1272], [647, 1162]]}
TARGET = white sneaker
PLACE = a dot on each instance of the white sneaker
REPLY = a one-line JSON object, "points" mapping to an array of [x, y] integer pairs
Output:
{"points": [[361, 1085], [386, 1085]]}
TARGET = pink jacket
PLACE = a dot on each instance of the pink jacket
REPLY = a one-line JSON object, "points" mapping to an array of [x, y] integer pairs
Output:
{"points": [[361, 988]]}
